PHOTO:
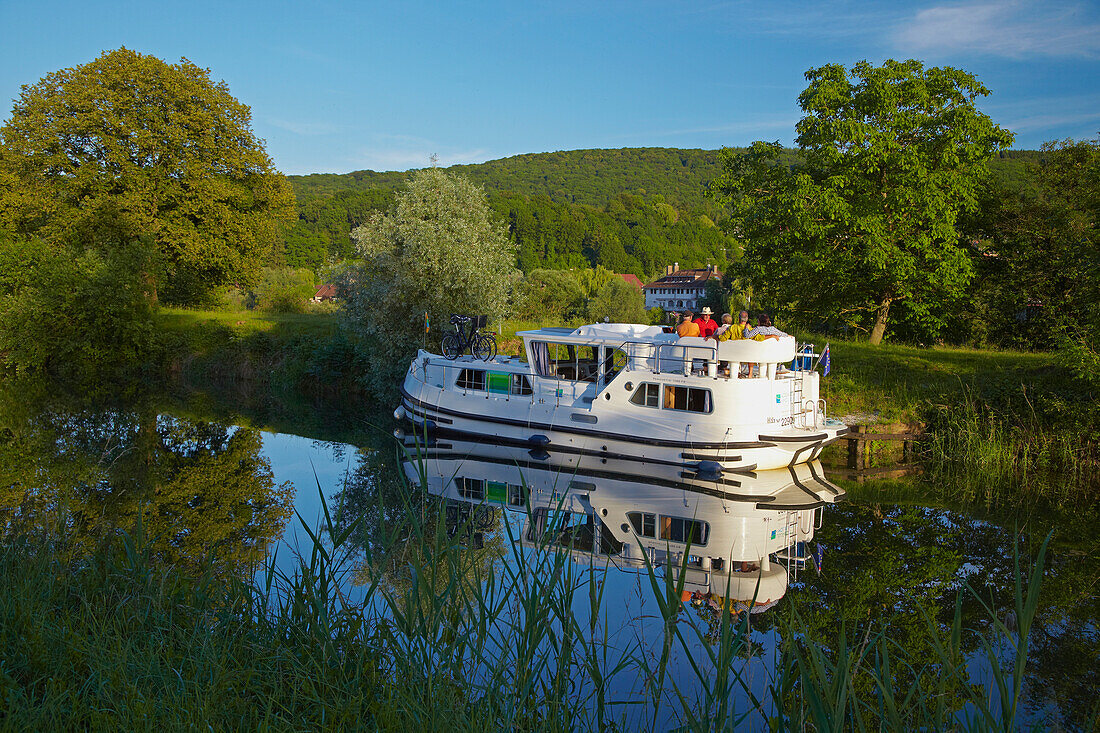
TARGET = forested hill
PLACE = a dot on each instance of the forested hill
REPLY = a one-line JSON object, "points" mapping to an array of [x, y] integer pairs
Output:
{"points": [[590, 177], [631, 210]]}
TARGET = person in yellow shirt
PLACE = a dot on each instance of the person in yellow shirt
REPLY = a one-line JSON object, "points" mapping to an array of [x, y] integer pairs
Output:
{"points": [[687, 327], [741, 326]]}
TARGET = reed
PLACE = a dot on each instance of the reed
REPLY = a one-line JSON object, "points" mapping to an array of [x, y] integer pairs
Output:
{"points": [[1003, 455], [440, 631]]}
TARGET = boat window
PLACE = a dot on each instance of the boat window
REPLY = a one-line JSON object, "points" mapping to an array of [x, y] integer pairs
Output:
{"points": [[644, 523], [471, 379], [690, 399], [647, 395], [517, 495], [574, 362], [520, 385], [470, 488], [614, 361], [677, 529]]}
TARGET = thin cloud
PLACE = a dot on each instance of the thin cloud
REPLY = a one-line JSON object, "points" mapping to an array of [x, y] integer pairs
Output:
{"points": [[1015, 30], [833, 19], [1051, 121], [390, 159], [306, 129]]}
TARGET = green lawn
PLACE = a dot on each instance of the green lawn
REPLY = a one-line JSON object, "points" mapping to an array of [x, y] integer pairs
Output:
{"points": [[247, 322], [895, 382]]}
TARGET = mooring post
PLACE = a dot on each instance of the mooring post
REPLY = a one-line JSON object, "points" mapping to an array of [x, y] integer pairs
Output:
{"points": [[855, 450]]}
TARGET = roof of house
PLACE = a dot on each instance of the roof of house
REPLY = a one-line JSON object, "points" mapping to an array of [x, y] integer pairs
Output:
{"points": [[328, 290], [683, 279], [631, 279]]}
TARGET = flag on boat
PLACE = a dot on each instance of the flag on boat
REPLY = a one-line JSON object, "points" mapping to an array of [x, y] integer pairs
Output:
{"points": [[825, 360], [426, 322]]}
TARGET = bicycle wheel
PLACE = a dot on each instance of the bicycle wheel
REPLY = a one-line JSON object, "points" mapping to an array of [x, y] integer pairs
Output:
{"points": [[452, 346], [485, 346]]}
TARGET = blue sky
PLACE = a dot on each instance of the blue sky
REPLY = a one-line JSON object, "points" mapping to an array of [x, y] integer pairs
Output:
{"points": [[342, 86]]}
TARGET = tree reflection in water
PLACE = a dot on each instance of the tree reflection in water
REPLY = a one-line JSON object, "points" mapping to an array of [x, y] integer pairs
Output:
{"points": [[83, 472], [428, 554]]}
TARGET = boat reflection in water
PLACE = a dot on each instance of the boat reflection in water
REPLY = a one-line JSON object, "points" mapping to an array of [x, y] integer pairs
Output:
{"points": [[742, 532]]}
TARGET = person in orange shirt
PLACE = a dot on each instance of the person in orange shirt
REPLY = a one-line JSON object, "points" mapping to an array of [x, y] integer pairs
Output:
{"points": [[687, 326]]}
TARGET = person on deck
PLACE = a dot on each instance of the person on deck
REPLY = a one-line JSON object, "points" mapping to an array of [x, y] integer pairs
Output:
{"points": [[706, 324], [741, 326], [764, 329], [725, 331], [687, 326]]}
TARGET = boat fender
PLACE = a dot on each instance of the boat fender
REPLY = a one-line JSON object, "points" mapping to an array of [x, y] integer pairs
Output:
{"points": [[708, 470], [399, 433], [399, 413], [539, 440], [538, 454]]}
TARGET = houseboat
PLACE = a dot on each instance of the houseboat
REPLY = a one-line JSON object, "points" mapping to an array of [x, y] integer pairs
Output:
{"points": [[632, 393], [732, 539]]}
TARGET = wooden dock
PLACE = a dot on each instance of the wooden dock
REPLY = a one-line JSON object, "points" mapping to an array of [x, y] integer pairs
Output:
{"points": [[860, 435]]}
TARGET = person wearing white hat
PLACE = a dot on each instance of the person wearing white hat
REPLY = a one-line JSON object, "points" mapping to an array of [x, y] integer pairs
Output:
{"points": [[707, 325]]}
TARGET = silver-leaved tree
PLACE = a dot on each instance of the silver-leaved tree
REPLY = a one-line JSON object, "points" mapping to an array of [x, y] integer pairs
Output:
{"points": [[437, 252]]}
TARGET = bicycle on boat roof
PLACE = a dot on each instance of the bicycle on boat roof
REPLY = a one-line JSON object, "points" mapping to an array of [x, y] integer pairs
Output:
{"points": [[482, 345]]}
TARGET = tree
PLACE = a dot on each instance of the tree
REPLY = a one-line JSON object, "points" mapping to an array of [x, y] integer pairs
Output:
{"points": [[438, 252], [892, 155], [553, 295], [78, 315], [128, 146], [619, 302]]}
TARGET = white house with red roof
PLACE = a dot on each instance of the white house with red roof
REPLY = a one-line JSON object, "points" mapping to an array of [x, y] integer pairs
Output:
{"points": [[678, 288]]}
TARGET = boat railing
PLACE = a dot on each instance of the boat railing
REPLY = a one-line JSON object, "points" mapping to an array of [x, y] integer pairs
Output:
{"points": [[813, 413], [670, 358]]}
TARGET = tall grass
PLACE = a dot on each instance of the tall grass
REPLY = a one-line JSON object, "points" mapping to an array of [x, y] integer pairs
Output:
{"points": [[444, 633], [999, 453]]}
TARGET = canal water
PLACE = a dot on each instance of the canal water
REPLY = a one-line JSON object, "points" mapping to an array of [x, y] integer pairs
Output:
{"points": [[258, 481]]}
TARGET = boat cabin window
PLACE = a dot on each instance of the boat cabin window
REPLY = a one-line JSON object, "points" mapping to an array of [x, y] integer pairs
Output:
{"points": [[644, 523], [677, 529], [517, 495], [521, 385], [574, 362], [614, 361], [470, 488], [471, 379], [647, 395], [477, 489], [690, 399]]}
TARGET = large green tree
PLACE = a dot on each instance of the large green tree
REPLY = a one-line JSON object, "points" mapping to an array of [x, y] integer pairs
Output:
{"points": [[437, 252], [128, 146], [891, 155]]}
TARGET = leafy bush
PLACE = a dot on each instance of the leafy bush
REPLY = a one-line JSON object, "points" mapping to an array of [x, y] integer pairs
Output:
{"points": [[284, 290], [71, 312]]}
